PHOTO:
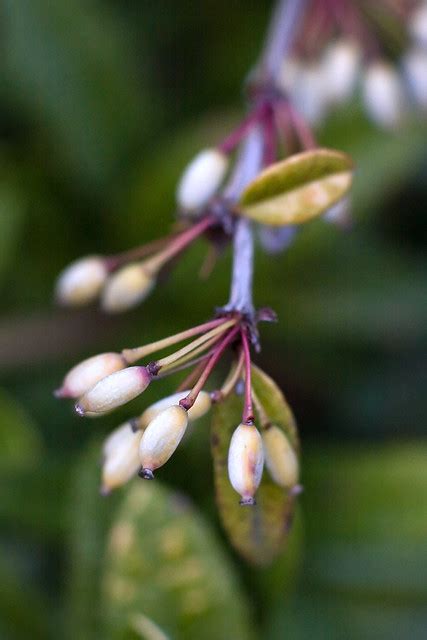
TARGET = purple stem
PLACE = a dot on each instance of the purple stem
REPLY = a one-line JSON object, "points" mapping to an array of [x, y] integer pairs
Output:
{"points": [[230, 142], [189, 400], [280, 36]]}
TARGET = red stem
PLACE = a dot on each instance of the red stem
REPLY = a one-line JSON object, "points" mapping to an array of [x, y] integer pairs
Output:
{"points": [[248, 412], [284, 127], [301, 128], [188, 402], [115, 261], [236, 136], [352, 22], [185, 238], [269, 155], [193, 375]]}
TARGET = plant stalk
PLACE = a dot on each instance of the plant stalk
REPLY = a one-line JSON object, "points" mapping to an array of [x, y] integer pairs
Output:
{"points": [[279, 40]]}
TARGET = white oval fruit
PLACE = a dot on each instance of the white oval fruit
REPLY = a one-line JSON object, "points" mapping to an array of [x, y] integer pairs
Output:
{"points": [[415, 69], [280, 458], [126, 288], [87, 373], [289, 72], [340, 67], [339, 213], [418, 24], [201, 179], [383, 94], [199, 408], [245, 462], [115, 438], [121, 450], [309, 93], [82, 281], [114, 390], [161, 438]]}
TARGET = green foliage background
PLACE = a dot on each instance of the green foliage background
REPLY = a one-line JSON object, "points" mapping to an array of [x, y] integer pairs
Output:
{"points": [[101, 105]]}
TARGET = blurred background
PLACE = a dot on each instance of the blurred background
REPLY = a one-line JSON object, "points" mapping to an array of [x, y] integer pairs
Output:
{"points": [[102, 103]]}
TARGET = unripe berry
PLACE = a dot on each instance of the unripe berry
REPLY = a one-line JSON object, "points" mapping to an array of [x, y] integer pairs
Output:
{"points": [[339, 213], [121, 457], [82, 281], [199, 408], [340, 67], [418, 24], [276, 239], [280, 458], [86, 374], [114, 390], [289, 72], [245, 462], [415, 68], [383, 94], [115, 437], [201, 179], [126, 288], [161, 438], [309, 93]]}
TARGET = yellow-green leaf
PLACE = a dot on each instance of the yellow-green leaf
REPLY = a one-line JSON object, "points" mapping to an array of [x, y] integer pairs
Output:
{"points": [[166, 572], [258, 532], [275, 404], [299, 188]]}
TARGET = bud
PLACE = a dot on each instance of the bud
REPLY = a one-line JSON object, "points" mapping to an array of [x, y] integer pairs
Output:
{"points": [[245, 462], [276, 239], [201, 179], [81, 281], [309, 94], [199, 408], [121, 451], [115, 438], [280, 458], [383, 94], [289, 73], [415, 68], [418, 24], [86, 374], [340, 213], [114, 390], [126, 288], [161, 438], [340, 67]]}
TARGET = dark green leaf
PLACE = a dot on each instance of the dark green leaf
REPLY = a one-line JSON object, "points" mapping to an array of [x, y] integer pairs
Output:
{"points": [[258, 532], [20, 442], [68, 66], [89, 516], [164, 563]]}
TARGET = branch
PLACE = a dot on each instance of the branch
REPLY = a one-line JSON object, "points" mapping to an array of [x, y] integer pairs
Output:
{"points": [[247, 168], [280, 37]]}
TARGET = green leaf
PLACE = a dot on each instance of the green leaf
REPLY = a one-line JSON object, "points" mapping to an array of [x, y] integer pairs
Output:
{"points": [[90, 517], [298, 188], [20, 442], [146, 629], [24, 612], [68, 65], [164, 566], [365, 553], [12, 211], [275, 404], [258, 532]]}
